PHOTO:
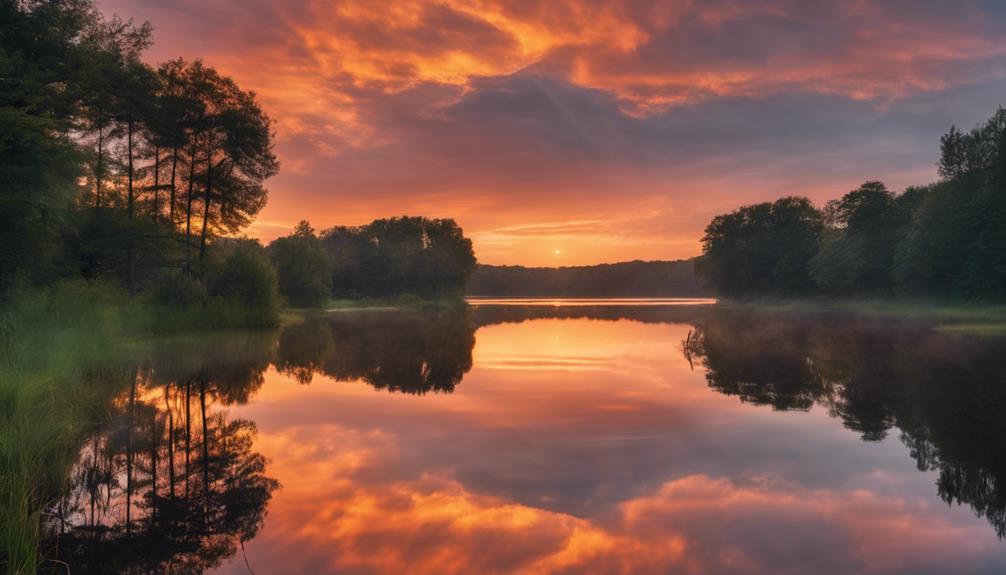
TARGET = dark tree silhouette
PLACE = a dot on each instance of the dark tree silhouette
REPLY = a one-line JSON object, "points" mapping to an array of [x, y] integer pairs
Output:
{"points": [[407, 352], [303, 266], [942, 241], [764, 249], [421, 256], [626, 279]]}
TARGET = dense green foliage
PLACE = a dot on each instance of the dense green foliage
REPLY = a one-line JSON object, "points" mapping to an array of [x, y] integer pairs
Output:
{"points": [[115, 179], [944, 241], [304, 267], [245, 278], [58, 372], [625, 279], [427, 257], [111, 168], [762, 249], [859, 246]]}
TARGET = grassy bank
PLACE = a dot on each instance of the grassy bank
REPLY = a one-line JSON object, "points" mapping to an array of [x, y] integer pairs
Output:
{"points": [[403, 301], [58, 372], [950, 316], [64, 356]]}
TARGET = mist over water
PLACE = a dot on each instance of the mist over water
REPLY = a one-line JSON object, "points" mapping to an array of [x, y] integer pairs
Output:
{"points": [[605, 436]]}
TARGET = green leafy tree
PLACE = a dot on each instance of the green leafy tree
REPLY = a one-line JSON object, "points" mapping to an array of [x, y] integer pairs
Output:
{"points": [[236, 140], [304, 267], [245, 277], [423, 256], [859, 245], [764, 249], [40, 165]]}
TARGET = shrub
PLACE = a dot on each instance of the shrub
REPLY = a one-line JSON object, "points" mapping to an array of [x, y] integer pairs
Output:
{"points": [[245, 284], [178, 290]]}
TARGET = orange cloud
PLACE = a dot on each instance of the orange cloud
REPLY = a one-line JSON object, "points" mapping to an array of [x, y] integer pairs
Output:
{"points": [[650, 54], [508, 113]]}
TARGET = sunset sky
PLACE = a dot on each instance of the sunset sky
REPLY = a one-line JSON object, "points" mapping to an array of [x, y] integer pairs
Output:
{"points": [[570, 132]]}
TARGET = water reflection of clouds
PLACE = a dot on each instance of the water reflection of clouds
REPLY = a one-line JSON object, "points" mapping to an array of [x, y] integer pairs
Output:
{"points": [[432, 523], [600, 469]]}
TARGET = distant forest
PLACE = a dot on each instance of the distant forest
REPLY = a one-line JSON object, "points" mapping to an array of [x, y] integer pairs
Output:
{"points": [[945, 240], [627, 279]]}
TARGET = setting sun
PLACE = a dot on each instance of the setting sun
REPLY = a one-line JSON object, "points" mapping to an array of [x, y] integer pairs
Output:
{"points": [[594, 126]]}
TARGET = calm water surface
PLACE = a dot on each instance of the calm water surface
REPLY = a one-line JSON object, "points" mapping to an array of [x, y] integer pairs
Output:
{"points": [[602, 437]]}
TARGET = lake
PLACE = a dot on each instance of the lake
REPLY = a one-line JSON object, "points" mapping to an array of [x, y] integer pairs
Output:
{"points": [[516, 436]]}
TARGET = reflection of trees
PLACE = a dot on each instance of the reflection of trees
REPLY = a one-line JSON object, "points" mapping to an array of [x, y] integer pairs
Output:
{"points": [[755, 366], [231, 364], [946, 393], [409, 352], [172, 485]]}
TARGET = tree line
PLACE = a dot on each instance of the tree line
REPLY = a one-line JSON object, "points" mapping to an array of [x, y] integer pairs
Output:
{"points": [[112, 168], [945, 240], [624, 279], [426, 257]]}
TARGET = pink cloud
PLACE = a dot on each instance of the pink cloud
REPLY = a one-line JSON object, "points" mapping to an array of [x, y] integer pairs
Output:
{"points": [[503, 113]]}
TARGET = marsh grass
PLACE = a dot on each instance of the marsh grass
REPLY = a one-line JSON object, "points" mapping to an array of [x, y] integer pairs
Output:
{"points": [[64, 355], [214, 314], [58, 373], [401, 301]]}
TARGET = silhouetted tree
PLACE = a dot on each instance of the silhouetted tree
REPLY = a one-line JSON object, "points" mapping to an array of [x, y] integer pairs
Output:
{"points": [[764, 249], [94, 138], [945, 240], [234, 136], [422, 256], [303, 266], [860, 241]]}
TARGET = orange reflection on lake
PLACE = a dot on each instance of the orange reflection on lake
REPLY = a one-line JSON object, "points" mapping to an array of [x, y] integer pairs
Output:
{"points": [[554, 439], [585, 446]]}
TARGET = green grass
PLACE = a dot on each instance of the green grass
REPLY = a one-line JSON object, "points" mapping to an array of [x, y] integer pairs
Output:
{"points": [[959, 317], [401, 301], [991, 329], [57, 375], [214, 314]]}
